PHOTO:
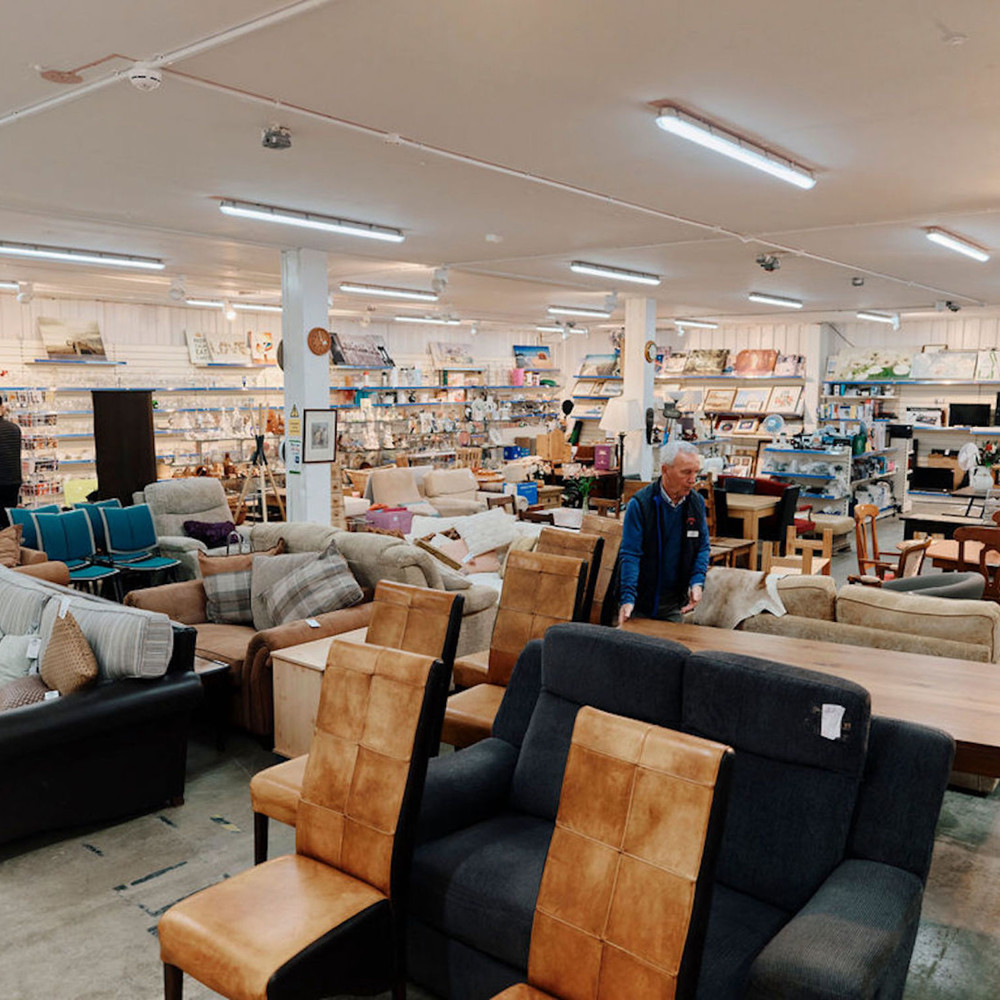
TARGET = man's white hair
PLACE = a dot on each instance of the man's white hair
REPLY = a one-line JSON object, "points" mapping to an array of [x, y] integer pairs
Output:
{"points": [[672, 449]]}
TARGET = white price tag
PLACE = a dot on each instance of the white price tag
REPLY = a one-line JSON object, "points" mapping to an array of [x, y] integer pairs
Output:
{"points": [[312, 623], [34, 647], [64, 606], [829, 728], [51, 695]]}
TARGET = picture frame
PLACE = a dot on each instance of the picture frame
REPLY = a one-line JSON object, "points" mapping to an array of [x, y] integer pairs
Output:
{"points": [[532, 357], [751, 400], [706, 361], [725, 425], [785, 399], [755, 362], [748, 425], [719, 400], [319, 436]]}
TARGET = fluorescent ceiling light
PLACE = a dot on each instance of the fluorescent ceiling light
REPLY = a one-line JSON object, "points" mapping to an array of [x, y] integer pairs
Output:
{"points": [[891, 318], [577, 311], [9, 286], [308, 220], [205, 303], [697, 324], [389, 291], [957, 244], [558, 328], [774, 300], [250, 307], [672, 119], [80, 256], [428, 319], [622, 274]]}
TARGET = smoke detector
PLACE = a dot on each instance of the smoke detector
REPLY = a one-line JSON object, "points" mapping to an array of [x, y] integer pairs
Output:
{"points": [[142, 76], [178, 291], [276, 137]]}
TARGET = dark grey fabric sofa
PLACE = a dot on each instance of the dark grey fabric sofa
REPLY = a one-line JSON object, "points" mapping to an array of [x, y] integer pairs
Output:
{"points": [[824, 855]]}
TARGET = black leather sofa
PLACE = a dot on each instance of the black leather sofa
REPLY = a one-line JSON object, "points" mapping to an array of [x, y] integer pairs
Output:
{"points": [[112, 750], [824, 855]]}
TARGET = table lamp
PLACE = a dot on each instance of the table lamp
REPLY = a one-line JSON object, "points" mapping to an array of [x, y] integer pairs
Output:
{"points": [[621, 417]]}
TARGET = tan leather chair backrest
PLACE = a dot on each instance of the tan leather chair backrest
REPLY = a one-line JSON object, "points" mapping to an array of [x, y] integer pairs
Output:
{"points": [[417, 619], [539, 590], [619, 885], [611, 530], [584, 545], [359, 759]]}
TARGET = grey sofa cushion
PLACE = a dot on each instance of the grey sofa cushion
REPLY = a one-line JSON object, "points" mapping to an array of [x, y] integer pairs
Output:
{"points": [[268, 570], [21, 603]]}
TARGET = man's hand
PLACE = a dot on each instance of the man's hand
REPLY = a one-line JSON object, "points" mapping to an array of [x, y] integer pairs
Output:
{"points": [[625, 613], [694, 596]]}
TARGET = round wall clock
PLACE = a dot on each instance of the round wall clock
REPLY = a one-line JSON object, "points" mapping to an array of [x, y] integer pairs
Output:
{"points": [[649, 351], [318, 340]]}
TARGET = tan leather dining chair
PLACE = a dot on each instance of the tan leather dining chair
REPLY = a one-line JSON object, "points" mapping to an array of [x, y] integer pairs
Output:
{"points": [[611, 530], [328, 919], [539, 590], [622, 909], [582, 545], [415, 619]]}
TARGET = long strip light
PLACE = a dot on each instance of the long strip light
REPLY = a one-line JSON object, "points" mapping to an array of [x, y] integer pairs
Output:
{"points": [[672, 119], [389, 291], [557, 328], [577, 311], [774, 300], [205, 303], [309, 220], [697, 324], [621, 273], [80, 256], [875, 317], [956, 243], [9, 286], [251, 307], [431, 320]]}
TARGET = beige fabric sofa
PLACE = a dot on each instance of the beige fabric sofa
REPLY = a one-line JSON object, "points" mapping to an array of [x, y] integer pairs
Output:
{"points": [[449, 492], [883, 619], [371, 558]]}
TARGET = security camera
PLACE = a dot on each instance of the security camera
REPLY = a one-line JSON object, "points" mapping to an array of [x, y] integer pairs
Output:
{"points": [[144, 77], [768, 261], [857, 281], [276, 137], [952, 306]]}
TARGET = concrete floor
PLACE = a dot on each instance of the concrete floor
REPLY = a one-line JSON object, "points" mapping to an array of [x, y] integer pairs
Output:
{"points": [[78, 911]]}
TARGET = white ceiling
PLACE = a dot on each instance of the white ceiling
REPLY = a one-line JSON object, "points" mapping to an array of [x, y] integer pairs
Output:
{"points": [[523, 120]]}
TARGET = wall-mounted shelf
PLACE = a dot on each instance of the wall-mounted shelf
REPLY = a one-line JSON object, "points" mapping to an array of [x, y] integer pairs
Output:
{"points": [[75, 361]]}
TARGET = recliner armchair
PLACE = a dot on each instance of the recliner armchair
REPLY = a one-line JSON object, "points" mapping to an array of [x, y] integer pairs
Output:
{"points": [[828, 837]]}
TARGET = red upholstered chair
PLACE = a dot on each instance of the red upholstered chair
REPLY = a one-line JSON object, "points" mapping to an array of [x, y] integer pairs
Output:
{"points": [[328, 919], [623, 904]]}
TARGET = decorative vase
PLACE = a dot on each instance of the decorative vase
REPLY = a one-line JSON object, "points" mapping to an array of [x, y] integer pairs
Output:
{"points": [[981, 478]]}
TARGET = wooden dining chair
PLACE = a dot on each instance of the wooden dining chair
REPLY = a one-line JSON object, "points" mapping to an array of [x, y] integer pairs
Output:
{"points": [[502, 500], [468, 458], [910, 562], [536, 514], [725, 549], [989, 538], [804, 556], [871, 561]]}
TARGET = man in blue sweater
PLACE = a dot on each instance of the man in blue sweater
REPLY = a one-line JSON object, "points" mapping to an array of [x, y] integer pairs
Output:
{"points": [[664, 550]]}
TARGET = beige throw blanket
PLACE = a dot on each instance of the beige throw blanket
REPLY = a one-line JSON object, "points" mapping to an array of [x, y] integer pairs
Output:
{"points": [[731, 595]]}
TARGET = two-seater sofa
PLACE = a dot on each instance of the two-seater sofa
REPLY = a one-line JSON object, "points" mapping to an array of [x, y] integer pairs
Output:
{"points": [[115, 748], [248, 651], [827, 841]]}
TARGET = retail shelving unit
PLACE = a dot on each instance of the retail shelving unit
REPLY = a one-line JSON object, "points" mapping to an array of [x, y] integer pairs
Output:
{"points": [[32, 410], [823, 474]]}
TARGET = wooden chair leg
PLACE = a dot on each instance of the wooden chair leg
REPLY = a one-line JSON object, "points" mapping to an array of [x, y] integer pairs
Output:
{"points": [[260, 828], [173, 982]]}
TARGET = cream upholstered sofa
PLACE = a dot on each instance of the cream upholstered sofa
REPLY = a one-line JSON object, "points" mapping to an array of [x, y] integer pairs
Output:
{"points": [[371, 557], [883, 619], [448, 492]]}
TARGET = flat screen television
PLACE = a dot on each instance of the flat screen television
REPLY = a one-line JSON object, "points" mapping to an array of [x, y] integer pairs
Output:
{"points": [[926, 480], [969, 415]]}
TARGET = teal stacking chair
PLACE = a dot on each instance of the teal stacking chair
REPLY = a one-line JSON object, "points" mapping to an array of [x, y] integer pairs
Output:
{"points": [[24, 517], [131, 540], [93, 510], [69, 538]]}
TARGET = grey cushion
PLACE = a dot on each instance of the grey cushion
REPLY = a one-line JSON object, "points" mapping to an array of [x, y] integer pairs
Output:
{"points": [[14, 660], [267, 571], [227, 598], [21, 602], [320, 585]]}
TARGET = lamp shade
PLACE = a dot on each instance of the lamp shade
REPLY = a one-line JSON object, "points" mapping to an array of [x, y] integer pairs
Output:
{"points": [[622, 415]]}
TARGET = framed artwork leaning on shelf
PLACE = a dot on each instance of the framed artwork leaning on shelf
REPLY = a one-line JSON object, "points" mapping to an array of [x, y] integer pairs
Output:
{"points": [[751, 400], [748, 425], [719, 400], [319, 436], [784, 399]]}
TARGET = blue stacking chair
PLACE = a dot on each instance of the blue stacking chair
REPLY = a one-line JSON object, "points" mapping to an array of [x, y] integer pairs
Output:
{"points": [[69, 538], [131, 540], [24, 517], [97, 525]]}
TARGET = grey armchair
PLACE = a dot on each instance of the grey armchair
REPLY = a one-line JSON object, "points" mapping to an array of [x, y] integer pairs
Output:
{"points": [[957, 586], [174, 501], [826, 847]]}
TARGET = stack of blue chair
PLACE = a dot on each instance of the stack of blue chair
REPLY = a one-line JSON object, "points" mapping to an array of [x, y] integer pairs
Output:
{"points": [[93, 510], [131, 540], [24, 517], [68, 537]]}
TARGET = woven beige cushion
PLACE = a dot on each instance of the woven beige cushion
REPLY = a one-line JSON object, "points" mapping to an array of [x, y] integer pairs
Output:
{"points": [[23, 691], [10, 545], [69, 663]]}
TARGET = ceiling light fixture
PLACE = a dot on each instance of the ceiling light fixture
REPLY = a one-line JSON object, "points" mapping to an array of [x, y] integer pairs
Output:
{"points": [[559, 328], [433, 321], [308, 220], [577, 311], [80, 256], [229, 312], [698, 324], [673, 119], [250, 307], [774, 300], [205, 303], [8, 286], [891, 318], [956, 243], [389, 291], [621, 273]]}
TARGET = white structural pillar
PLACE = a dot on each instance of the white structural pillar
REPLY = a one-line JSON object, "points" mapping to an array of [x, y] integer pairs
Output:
{"points": [[640, 329], [304, 296]]}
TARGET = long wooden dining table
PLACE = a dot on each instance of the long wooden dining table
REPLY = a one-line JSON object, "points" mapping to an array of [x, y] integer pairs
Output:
{"points": [[749, 508]]}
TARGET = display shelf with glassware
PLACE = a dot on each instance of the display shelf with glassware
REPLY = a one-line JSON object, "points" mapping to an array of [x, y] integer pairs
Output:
{"points": [[823, 474], [32, 410]]}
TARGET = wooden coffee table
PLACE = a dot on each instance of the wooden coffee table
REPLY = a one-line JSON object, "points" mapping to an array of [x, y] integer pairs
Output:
{"points": [[959, 696]]}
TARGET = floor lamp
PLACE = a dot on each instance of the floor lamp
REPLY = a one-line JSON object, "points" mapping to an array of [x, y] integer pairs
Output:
{"points": [[622, 416]]}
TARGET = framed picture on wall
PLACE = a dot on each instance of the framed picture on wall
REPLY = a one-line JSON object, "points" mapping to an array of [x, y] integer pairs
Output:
{"points": [[784, 399], [719, 400], [319, 436], [751, 400]]}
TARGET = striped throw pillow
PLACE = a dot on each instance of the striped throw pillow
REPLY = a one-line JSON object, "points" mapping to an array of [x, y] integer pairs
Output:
{"points": [[325, 584], [228, 597]]}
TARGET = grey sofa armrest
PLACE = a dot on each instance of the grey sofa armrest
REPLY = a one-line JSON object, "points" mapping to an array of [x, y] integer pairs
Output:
{"points": [[852, 939], [465, 788], [180, 543]]}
